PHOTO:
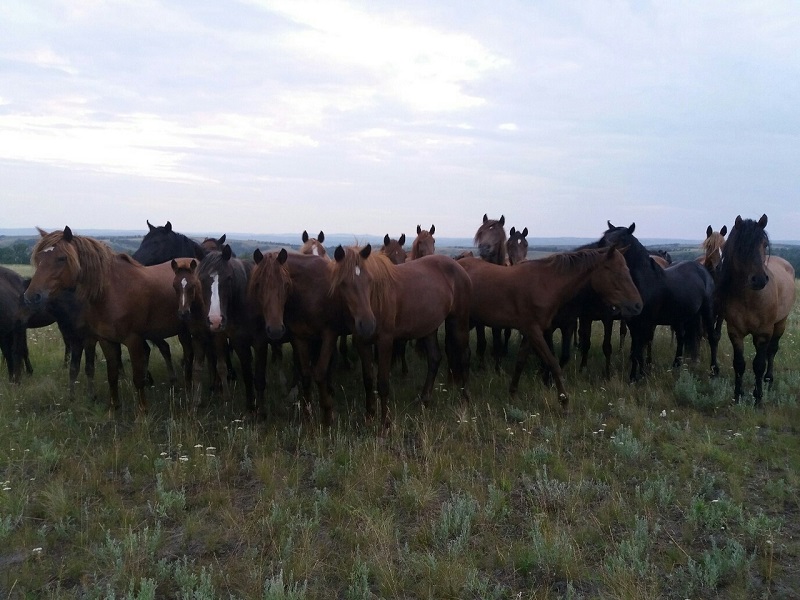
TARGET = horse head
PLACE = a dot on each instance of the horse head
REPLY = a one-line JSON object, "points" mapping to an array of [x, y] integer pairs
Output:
{"points": [[352, 278], [187, 287], [394, 250], [490, 238], [269, 288], [517, 246], [746, 252]]}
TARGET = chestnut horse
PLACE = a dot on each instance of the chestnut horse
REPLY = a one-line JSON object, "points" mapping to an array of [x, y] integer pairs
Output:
{"points": [[124, 302], [757, 293], [291, 294], [527, 296], [394, 250], [423, 244], [313, 245], [490, 238], [404, 302]]}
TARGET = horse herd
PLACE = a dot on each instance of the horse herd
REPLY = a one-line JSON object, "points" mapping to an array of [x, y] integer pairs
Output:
{"points": [[218, 304]]}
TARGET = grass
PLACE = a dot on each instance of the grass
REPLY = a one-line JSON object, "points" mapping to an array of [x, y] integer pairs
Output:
{"points": [[662, 489]]}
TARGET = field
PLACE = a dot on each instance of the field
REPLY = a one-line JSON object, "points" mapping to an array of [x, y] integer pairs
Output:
{"points": [[662, 489]]}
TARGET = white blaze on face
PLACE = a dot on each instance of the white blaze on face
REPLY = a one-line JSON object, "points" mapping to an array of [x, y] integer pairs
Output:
{"points": [[49, 249], [182, 302], [358, 271], [215, 309]]}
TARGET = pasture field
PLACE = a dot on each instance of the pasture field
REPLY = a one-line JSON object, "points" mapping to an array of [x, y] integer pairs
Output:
{"points": [[661, 489]]}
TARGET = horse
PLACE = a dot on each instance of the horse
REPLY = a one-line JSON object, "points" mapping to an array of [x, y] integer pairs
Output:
{"points": [[517, 246], [313, 245], [675, 296], [403, 302], [291, 294], [161, 244], [224, 281], [13, 342], [490, 239], [527, 297], [424, 244], [211, 243], [123, 301], [394, 250], [712, 248], [757, 291]]}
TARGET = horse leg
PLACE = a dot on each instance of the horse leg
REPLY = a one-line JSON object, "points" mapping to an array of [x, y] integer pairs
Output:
{"points": [[384, 347], [584, 339], [759, 366], [534, 340], [166, 352], [366, 354], [737, 342], [709, 324], [547, 376], [639, 339], [456, 346], [480, 348], [90, 350], [138, 355], [322, 373], [567, 335], [680, 340], [261, 348], [608, 350], [243, 351], [228, 354], [623, 330], [343, 352], [497, 347], [112, 352], [434, 355]]}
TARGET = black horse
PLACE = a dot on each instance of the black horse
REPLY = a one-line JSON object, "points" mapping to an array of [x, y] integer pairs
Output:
{"points": [[675, 296], [161, 244]]}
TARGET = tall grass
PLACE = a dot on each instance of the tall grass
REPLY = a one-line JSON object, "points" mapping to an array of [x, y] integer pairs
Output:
{"points": [[662, 489]]}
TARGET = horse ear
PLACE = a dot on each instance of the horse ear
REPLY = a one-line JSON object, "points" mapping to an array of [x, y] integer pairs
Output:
{"points": [[193, 265], [419, 229], [386, 240], [631, 228], [724, 230], [338, 254], [227, 252], [737, 222], [432, 229], [762, 222], [304, 237], [150, 227], [366, 251], [257, 256], [174, 265], [168, 227], [609, 225], [68, 234], [513, 231], [525, 232], [41, 231], [221, 240], [485, 217], [502, 220], [709, 231], [321, 237], [402, 239], [283, 255]]}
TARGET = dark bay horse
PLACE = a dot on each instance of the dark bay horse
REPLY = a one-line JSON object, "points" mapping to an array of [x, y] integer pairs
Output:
{"points": [[424, 244], [124, 302], [404, 302], [224, 280], [490, 239], [291, 292], [517, 246], [527, 296], [313, 245], [757, 293], [681, 296]]}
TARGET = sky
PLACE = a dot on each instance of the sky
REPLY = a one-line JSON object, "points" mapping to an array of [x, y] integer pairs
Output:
{"points": [[276, 116]]}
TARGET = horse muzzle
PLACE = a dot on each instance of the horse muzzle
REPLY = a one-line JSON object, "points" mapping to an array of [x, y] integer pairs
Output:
{"points": [[758, 282], [35, 299], [217, 323], [276, 333], [365, 327]]}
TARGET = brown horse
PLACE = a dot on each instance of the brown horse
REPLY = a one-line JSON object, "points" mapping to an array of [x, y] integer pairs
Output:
{"points": [[211, 243], [404, 302], [757, 293], [423, 244], [291, 293], [394, 250], [517, 246], [712, 248], [527, 296], [490, 238], [313, 245], [125, 302]]}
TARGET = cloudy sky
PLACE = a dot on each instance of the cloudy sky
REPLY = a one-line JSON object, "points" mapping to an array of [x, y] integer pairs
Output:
{"points": [[371, 117]]}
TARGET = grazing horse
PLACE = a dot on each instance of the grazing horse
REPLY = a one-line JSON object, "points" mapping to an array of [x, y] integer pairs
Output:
{"points": [[291, 293], [424, 244], [313, 245], [404, 302], [675, 296], [757, 292], [124, 302], [161, 244], [224, 280], [490, 238], [527, 296]]}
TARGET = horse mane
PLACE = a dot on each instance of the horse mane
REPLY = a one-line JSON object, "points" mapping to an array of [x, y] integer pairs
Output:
{"points": [[264, 274], [423, 235], [379, 267], [89, 259], [739, 247], [566, 262]]}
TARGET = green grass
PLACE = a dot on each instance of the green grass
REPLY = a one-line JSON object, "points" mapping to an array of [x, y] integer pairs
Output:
{"points": [[657, 490]]}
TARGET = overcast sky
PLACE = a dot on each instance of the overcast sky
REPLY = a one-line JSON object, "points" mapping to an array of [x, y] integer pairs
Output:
{"points": [[372, 117]]}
